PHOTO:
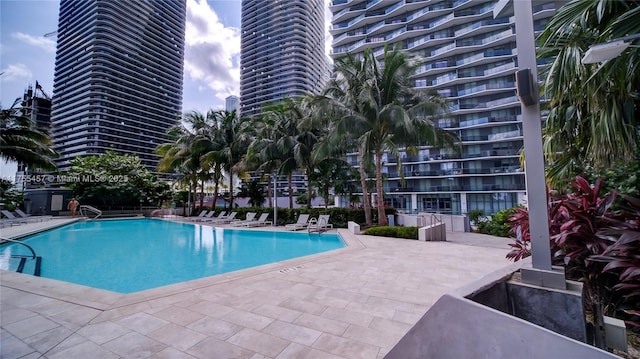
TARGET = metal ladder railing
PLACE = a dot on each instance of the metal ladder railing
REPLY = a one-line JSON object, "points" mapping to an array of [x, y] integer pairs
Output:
{"points": [[313, 222], [23, 258], [88, 208], [319, 225], [33, 253]]}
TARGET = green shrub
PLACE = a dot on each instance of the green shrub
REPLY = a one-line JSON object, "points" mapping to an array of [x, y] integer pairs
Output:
{"points": [[475, 215], [498, 225], [396, 232]]}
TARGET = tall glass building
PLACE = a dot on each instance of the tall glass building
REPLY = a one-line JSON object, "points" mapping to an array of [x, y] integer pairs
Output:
{"points": [[468, 56], [282, 51], [118, 77]]}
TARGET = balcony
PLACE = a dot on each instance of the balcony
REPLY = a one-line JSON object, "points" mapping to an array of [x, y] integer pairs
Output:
{"points": [[486, 55], [493, 153], [486, 87], [504, 135]]}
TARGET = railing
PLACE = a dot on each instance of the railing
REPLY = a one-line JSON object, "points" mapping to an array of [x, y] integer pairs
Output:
{"points": [[92, 209], [33, 253]]}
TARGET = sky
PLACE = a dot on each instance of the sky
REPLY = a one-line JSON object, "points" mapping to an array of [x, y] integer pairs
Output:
{"points": [[212, 51]]}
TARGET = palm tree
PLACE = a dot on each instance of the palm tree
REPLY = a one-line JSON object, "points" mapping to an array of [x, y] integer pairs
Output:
{"points": [[331, 173], [384, 112], [22, 142], [305, 136], [230, 146], [594, 109], [178, 156], [341, 103]]}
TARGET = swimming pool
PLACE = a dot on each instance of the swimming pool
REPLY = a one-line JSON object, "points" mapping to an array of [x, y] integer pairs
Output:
{"points": [[131, 255]]}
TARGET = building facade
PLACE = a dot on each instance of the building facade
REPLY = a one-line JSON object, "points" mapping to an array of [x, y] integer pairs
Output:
{"points": [[232, 103], [282, 51], [118, 77], [469, 57]]}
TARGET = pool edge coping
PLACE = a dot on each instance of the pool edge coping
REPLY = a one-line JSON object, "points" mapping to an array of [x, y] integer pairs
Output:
{"points": [[102, 299]]}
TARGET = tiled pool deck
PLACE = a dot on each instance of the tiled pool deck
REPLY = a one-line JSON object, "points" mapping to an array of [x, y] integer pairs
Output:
{"points": [[355, 302]]}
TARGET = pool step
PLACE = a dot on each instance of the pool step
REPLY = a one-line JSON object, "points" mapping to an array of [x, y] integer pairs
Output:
{"points": [[23, 260], [36, 272], [37, 266]]}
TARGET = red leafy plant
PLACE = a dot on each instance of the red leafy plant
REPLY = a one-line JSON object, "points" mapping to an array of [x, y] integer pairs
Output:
{"points": [[598, 245], [622, 258]]}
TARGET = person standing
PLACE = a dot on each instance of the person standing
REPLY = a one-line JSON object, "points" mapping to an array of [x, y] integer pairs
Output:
{"points": [[73, 206]]}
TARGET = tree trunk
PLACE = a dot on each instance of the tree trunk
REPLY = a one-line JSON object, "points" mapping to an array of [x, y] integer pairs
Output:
{"points": [[193, 189], [382, 218], [365, 192], [231, 190], [269, 191], [308, 190], [202, 195], [326, 198], [290, 182], [215, 192]]}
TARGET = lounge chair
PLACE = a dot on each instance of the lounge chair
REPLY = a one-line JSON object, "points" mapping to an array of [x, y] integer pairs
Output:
{"points": [[203, 218], [249, 218], [319, 225], [303, 220], [224, 219], [30, 217], [11, 219], [211, 218], [202, 214], [262, 221]]}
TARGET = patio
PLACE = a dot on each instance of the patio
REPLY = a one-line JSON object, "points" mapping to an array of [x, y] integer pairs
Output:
{"points": [[355, 302]]}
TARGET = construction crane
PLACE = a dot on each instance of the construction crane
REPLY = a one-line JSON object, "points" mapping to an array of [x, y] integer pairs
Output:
{"points": [[52, 33]]}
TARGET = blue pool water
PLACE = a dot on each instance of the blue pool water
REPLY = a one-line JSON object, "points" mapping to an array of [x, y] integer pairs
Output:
{"points": [[127, 256]]}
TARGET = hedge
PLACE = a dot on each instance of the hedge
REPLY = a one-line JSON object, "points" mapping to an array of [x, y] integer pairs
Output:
{"points": [[397, 232]]}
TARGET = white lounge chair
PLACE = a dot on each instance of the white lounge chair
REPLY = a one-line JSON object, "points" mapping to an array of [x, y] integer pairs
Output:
{"points": [[220, 215], [261, 221], [303, 220], [225, 219], [30, 217], [203, 218], [202, 214], [249, 218], [11, 219]]}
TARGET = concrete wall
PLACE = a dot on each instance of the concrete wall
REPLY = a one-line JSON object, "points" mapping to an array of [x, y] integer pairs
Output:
{"points": [[458, 327]]}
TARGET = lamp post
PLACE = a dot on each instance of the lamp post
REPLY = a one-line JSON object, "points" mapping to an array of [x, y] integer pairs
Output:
{"points": [[541, 273]]}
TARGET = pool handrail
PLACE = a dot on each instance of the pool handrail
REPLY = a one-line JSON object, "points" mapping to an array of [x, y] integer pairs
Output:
{"points": [[33, 253], [86, 207]]}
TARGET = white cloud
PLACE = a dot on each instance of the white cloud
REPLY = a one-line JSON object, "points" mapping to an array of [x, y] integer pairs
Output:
{"points": [[46, 44], [16, 72], [212, 51]]}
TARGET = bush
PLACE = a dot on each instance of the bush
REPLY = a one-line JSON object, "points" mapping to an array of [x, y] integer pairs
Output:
{"points": [[498, 224], [475, 215], [396, 232], [597, 244]]}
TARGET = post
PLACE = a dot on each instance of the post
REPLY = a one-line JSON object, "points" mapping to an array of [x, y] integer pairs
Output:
{"points": [[275, 199], [542, 272]]}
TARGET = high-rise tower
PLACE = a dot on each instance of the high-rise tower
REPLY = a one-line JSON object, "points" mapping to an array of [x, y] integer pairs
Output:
{"points": [[232, 103], [469, 57], [118, 76], [282, 51]]}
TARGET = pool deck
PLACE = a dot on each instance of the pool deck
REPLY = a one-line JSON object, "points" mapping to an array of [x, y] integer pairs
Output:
{"points": [[355, 302]]}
